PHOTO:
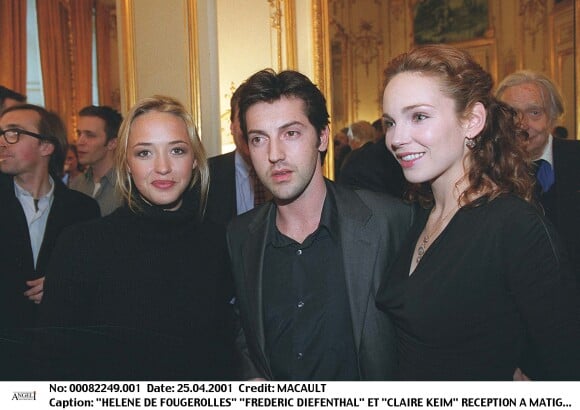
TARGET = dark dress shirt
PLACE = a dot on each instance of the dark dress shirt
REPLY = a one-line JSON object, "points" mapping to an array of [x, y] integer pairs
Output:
{"points": [[306, 310]]}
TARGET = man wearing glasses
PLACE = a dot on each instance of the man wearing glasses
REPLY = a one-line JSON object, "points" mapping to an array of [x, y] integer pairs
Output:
{"points": [[35, 207]]}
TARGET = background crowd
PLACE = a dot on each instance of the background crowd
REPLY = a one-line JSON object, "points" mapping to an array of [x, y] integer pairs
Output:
{"points": [[446, 250]]}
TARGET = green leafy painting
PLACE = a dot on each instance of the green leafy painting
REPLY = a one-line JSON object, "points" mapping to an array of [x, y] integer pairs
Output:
{"points": [[449, 21]]}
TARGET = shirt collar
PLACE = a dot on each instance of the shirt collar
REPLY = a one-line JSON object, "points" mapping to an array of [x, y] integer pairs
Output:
{"points": [[241, 165], [89, 174], [328, 220], [21, 192], [548, 153], [109, 176]]}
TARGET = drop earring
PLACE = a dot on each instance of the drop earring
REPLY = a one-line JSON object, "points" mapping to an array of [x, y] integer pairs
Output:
{"points": [[469, 142]]}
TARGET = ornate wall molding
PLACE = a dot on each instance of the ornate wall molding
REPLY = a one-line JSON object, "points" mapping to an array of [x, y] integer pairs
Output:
{"points": [[322, 71], [534, 17], [193, 62], [321, 46], [129, 83], [283, 25], [366, 44], [290, 26], [276, 25], [397, 8]]}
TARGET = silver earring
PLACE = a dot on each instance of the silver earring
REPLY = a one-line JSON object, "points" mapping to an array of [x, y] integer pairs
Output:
{"points": [[470, 142]]}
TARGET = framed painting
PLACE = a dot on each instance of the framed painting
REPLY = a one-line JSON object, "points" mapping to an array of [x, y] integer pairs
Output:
{"points": [[449, 21]]}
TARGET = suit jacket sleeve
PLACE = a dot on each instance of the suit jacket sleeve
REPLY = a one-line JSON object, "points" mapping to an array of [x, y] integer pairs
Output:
{"points": [[540, 279], [67, 288], [248, 369]]}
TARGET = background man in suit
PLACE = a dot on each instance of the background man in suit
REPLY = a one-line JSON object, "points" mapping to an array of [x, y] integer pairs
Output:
{"points": [[307, 264], [97, 138], [539, 105], [234, 183], [35, 208], [373, 167]]}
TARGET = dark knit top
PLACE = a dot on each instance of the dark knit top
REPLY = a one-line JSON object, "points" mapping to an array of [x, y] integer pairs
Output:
{"points": [[155, 289], [493, 292]]}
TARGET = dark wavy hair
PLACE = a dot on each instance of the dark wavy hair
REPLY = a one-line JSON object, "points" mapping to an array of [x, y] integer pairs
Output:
{"points": [[109, 115], [499, 163], [267, 86], [235, 101]]}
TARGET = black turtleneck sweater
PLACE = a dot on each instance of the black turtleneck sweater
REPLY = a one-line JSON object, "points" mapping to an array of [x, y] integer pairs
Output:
{"points": [[145, 294]]}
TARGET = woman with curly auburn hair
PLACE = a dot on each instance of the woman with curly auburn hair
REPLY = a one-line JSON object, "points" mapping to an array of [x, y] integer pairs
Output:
{"points": [[481, 287], [152, 280]]}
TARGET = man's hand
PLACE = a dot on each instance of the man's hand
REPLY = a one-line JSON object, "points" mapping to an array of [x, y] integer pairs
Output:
{"points": [[520, 376], [36, 290]]}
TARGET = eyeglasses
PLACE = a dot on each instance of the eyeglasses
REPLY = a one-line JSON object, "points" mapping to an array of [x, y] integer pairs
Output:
{"points": [[12, 135]]}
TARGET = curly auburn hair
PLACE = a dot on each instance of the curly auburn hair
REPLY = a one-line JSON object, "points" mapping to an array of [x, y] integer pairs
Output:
{"points": [[498, 163]]}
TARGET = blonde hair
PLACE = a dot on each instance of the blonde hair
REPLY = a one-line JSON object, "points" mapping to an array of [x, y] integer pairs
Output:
{"points": [[169, 105]]}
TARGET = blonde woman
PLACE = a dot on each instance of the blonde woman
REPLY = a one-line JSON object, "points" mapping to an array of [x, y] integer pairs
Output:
{"points": [[152, 279]]}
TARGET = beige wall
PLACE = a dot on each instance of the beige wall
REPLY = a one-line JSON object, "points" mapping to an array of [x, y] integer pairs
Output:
{"points": [[199, 51], [165, 50], [158, 49], [246, 44], [257, 34]]}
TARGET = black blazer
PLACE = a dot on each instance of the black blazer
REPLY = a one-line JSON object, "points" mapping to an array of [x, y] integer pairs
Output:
{"points": [[372, 226], [16, 259], [562, 202], [373, 167], [221, 201]]}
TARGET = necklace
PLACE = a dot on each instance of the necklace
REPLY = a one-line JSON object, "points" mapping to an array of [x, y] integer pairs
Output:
{"points": [[424, 243]]}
